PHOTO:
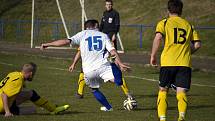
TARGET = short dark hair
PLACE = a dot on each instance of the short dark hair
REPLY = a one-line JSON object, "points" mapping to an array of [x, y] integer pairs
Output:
{"points": [[91, 24], [111, 1], [29, 67], [175, 6]]}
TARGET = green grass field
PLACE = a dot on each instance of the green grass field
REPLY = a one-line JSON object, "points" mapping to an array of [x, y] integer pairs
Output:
{"points": [[54, 82]]}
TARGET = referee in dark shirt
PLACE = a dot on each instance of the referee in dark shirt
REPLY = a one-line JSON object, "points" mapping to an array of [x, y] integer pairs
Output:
{"points": [[110, 25], [110, 22]]}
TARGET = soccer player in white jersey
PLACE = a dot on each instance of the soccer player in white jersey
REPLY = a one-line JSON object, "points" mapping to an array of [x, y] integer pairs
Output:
{"points": [[93, 46]]}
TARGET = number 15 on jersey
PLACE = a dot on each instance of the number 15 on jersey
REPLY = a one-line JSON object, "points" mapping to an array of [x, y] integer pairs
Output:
{"points": [[94, 43]]}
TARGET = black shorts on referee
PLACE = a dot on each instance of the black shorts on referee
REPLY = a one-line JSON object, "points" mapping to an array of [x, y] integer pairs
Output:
{"points": [[110, 35], [179, 76]]}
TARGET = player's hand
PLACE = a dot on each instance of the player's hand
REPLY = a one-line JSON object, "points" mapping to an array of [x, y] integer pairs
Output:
{"points": [[113, 37], [124, 67], [8, 114], [71, 68], [153, 61], [43, 46]]}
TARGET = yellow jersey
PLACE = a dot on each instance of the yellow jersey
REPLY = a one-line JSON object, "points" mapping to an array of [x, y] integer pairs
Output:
{"points": [[11, 85], [178, 35]]}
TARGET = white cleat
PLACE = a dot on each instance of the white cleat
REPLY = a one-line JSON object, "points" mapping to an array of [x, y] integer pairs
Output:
{"points": [[105, 109]]}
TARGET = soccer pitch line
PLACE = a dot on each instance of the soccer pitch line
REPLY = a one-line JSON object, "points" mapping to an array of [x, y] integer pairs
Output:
{"points": [[154, 80], [134, 77]]}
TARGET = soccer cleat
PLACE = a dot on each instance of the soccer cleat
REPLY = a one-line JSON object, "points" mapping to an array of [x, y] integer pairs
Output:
{"points": [[181, 118], [105, 109], [130, 96], [162, 118], [59, 109], [79, 96]]}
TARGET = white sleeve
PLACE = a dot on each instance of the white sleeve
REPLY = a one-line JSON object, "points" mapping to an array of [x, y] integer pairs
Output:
{"points": [[108, 44], [75, 40]]}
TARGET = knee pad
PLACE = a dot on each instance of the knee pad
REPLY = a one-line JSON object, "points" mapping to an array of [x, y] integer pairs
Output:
{"points": [[117, 74], [34, 96]]}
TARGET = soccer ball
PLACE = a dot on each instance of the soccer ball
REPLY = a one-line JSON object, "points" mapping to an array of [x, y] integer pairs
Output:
{"points": [[130, 104]]}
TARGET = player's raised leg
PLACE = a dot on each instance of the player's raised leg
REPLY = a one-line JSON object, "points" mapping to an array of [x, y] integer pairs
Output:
{"points": [[125, 87], [119, 80]]}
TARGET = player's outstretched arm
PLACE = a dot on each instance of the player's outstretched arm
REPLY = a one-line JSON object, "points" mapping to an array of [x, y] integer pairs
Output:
{"points": [[6, 106], [155, 47], [118, 61], [195, 46], [55, 43], [75, 61]]}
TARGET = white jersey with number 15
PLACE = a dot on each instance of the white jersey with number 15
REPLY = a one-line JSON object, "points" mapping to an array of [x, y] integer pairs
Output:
{"points": [[93, 46]]}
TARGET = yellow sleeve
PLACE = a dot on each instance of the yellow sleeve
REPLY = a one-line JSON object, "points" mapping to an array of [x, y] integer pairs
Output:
{"points": [[13, 86], [160, 28], [78, 49], [195, 36]]}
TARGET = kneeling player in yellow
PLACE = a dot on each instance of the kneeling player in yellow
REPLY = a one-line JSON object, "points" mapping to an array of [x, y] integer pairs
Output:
{"points": [[180, 41], [82, 84], [12, 94]]}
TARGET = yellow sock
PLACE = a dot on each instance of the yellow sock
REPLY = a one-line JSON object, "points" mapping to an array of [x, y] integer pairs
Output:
{"points": [[182, 104], [81, 83], [124, 87], [162, 105], [41, 102]]}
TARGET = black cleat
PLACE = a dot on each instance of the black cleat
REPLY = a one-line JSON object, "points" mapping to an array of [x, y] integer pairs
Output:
{"points": [[79, 96]]}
